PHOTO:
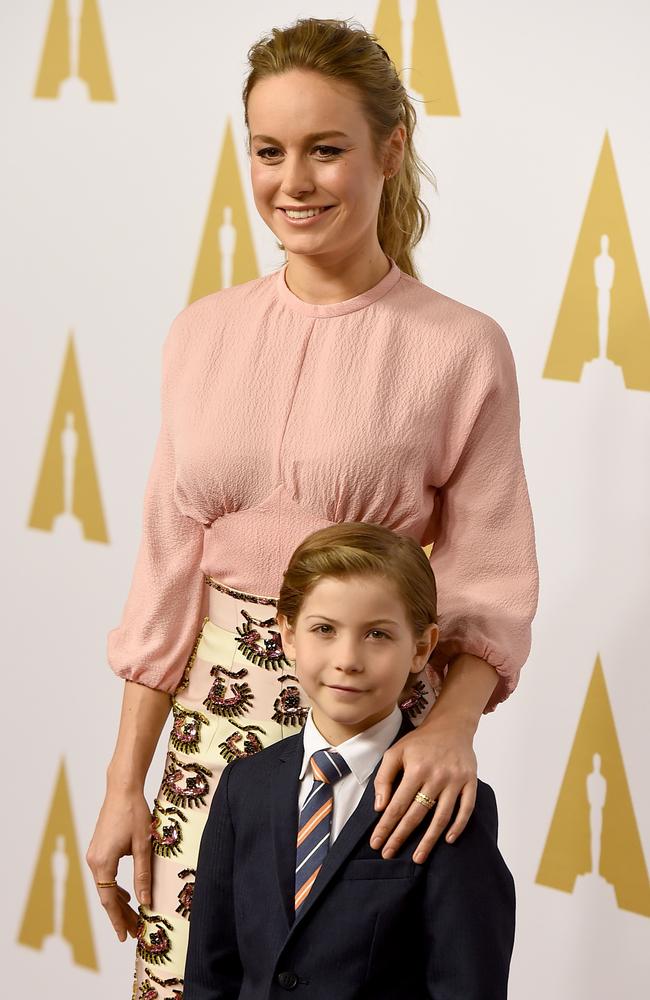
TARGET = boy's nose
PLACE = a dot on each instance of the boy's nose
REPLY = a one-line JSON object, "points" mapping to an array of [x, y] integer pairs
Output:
{"points": [[349, 665]]}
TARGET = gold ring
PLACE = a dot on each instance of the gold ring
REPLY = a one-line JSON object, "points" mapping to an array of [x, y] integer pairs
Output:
{"points": [[106, 885], [424, 799]]}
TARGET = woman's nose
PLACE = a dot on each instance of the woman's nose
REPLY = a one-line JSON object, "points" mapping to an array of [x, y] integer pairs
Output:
{"points": [[296, 177]]}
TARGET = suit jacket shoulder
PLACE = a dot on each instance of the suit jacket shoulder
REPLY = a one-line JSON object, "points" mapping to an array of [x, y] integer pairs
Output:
{"points": [[247, 771]]}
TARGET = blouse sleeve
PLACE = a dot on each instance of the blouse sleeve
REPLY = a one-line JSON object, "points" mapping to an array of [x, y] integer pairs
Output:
{"points": [[483, 553], [165, 603]]}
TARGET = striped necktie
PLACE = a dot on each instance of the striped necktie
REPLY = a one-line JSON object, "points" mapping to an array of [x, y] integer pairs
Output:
{"points": [[315, 821]]}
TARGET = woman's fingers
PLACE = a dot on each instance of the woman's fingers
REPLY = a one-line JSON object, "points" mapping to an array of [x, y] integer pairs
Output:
{"points": [[142, 870], [111, 900], [123, 828], [399, 804], [415, 813], [389, 768], [123, 917], [131, 918], [437, 760], [465, 810], [442, 814], [414, 816]]}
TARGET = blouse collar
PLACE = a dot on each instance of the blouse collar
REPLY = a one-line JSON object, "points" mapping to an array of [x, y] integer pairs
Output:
{"points": [[366, 298]]}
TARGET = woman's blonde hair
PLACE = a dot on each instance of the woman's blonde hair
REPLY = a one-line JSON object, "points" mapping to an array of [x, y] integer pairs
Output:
{"points": [[351, 54], [354, 548]]}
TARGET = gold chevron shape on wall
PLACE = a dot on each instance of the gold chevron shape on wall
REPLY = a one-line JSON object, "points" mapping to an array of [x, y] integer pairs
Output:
{"points": [[593, 848], [419, 51], [67, 500], [227, 254], [74, 54], [603, 311], [56, 918]]}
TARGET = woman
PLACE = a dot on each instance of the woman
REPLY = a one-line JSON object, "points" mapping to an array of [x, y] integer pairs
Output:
{"points": [[339, 388]]}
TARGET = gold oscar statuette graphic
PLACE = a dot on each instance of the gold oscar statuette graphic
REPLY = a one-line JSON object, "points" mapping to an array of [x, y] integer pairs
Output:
{"points": [[226, 255], [56, 918], [603, 327], [411, 32], [74, 62], [593, 848], [67, 499]]}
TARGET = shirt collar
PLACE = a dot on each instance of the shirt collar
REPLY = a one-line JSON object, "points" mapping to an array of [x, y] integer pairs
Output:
{"points": [[361, 752]]}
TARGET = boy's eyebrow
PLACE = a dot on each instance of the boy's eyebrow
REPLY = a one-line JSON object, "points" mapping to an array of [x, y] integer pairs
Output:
{"points": [[312, 137], [375, 621]]}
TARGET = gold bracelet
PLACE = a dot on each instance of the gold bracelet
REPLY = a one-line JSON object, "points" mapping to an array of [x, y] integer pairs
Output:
{"points": [[106, 885]]}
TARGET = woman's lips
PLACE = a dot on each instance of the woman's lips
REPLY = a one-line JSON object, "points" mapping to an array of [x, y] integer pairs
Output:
{"points": [[310, 221]]}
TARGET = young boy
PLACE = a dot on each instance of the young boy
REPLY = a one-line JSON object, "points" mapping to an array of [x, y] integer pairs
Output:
{"points": [[289, 895]]}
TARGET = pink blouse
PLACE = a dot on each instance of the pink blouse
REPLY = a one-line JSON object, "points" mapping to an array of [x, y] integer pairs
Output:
{"points": [[398, 406]]}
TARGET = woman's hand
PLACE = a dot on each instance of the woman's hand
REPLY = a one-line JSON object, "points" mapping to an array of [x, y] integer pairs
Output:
{"points": [[438, 759], [123, 827]]}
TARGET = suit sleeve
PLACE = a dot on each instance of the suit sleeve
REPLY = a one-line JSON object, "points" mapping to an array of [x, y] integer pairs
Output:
{"points": [[166, 600], [469, 912], [484, 554], [213, 969]]}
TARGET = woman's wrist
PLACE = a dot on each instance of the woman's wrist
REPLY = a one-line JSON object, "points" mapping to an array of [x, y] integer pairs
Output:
{"points": [[465, 692], [143, 715], [122, 778]]}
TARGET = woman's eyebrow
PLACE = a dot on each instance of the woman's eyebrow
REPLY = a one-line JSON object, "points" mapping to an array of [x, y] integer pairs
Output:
{"points": [[312, 137]]}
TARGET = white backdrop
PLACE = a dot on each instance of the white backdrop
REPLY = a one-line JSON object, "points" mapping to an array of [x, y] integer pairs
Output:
{"points": [[105, 197]]}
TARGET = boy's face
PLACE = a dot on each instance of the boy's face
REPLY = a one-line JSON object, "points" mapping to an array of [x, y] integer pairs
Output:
{"points": [[354, 651]]}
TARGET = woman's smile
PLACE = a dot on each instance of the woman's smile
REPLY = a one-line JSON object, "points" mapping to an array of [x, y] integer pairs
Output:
{"points": [[303, 216]]}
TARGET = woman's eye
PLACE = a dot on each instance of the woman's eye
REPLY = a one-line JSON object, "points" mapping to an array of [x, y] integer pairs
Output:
{"points": [[319, 627], [268, 151], [330, 150], [379, 632]]}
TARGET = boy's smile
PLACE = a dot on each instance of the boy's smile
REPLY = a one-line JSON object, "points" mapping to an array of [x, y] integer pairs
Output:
{"points": [[354, 650]]}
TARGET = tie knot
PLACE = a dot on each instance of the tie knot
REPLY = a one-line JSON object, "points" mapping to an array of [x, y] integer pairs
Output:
{"points": [[328, 766]]}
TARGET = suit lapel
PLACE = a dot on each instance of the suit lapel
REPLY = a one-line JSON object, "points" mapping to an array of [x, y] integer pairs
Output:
{"points": [[284, 820], [357, 825]]}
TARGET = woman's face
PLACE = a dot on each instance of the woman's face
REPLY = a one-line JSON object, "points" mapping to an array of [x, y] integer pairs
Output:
{"points": [[311, 148]]}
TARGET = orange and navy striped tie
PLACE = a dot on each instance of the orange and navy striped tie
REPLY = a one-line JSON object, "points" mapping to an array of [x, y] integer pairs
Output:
{"points": [[315, 822]]}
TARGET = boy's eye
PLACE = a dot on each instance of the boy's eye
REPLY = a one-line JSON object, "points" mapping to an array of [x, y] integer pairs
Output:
{"points": [[374, 631]]}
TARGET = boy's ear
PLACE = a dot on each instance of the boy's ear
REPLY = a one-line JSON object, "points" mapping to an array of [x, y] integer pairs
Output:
{"points": [[286, 635], [425, 646]]}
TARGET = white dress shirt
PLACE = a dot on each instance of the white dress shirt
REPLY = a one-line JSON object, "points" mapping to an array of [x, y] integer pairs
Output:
{"points": [[361, 753]]}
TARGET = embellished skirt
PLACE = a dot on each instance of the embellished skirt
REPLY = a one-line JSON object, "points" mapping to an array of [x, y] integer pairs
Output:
{"points": [[237, 696]]}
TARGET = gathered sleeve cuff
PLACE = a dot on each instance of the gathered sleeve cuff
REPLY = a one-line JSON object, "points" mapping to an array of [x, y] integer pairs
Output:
{"points": [[167, 599], [483, 553]]}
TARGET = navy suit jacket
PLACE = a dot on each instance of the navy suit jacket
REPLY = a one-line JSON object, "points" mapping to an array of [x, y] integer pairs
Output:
{"points": [[370, 929]]}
